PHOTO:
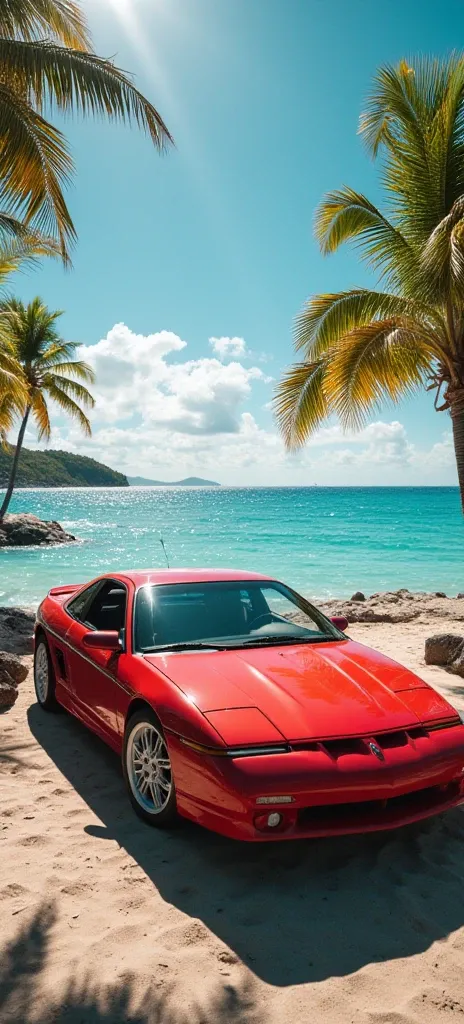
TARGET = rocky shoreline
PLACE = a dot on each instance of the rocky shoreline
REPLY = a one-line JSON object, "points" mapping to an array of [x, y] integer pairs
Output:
{"points": [[397, 606]]}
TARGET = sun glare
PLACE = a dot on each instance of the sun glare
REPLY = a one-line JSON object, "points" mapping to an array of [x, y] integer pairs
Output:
{"points": [[133, 16]]}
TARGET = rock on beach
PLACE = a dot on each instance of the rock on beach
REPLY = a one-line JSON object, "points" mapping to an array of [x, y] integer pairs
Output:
{"points": [[26, 530]]}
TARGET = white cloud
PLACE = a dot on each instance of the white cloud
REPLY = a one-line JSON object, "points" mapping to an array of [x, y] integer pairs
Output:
{"points": [[386, 444], [229, 348], [134, 379], [441, 455]]}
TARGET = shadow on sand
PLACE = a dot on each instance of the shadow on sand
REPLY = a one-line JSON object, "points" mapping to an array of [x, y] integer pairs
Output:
{"points": [[21, 1002], [292, 912]]}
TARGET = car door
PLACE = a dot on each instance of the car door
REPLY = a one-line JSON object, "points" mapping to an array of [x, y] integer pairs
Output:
{"points": [[94, 673]]}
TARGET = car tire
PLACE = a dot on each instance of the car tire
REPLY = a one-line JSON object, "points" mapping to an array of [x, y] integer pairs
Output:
{"points": [[44, 676], [147, 770]]}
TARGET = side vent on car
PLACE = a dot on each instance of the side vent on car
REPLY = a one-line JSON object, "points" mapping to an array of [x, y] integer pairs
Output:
{"points": [[61, 662]]}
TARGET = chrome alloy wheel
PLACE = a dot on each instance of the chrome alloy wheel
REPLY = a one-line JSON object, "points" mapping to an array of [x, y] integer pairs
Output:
{"points": [[148, 767], [41, 673]]}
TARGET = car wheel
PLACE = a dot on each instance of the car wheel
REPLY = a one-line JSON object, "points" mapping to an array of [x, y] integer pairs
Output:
{"points": [[44, 677], [147, 769]]}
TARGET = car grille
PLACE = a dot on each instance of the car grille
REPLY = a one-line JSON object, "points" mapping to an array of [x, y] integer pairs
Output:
{"points": [[360, 745], [376, 813]]}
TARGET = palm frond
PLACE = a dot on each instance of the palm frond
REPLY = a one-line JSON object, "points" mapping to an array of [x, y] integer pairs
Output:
{"points": [[69, 387], [443, 255], [327, 318], [69, 406], [12, 227], [34, 19], [394, 112], [73, 80], [13, 385], [76, 368], [300, 404], [10, 408], [25, 253], [380, 361], [416, 115], [34, 166], [345, 215], [41, 415]]}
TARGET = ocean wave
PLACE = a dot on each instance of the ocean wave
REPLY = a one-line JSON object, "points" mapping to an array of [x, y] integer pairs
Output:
{"points": [[84, 524]]}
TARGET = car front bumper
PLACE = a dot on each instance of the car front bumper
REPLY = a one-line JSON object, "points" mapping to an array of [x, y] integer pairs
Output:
{"points": [[330, 795]]}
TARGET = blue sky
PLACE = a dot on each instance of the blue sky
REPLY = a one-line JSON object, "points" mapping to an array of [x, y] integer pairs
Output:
{"points": [[214, 240]]}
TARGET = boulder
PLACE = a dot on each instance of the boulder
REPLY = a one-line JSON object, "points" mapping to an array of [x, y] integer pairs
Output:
{"points": [[8, 695], [26, 530], [12, 672], [460, 595], [16, 630], [358, 596], [12, 669], [443, 649], [440, 593]]}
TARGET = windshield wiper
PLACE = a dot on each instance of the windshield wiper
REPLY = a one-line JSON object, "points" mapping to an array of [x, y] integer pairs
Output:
{"points": [[263, 641], [190, 645], [277, 641]]}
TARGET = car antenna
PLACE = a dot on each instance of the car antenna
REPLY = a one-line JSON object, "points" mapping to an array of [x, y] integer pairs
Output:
{"points": [[165, 552]]}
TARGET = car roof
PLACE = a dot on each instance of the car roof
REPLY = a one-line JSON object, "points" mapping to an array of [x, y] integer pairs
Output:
{"points": [[158, 576]]}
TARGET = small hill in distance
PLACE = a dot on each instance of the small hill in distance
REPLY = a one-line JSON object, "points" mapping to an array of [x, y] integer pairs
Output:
{"points": [[58, 469], [190, 481]]}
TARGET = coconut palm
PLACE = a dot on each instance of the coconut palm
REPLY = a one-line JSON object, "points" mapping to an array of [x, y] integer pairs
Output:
{"points": [[363, 346], [47, 63], [19, 249], [45, 369]]}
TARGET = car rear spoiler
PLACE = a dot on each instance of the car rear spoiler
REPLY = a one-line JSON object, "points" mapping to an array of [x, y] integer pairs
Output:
{"points": [[69, 589]]}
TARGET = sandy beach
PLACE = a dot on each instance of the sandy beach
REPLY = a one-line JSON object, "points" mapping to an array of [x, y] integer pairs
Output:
{"points": [[103, 919]]}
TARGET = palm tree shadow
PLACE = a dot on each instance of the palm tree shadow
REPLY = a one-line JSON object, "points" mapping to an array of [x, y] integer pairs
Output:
{"points": [[21, 962], [84, 1002], [292, 912]]}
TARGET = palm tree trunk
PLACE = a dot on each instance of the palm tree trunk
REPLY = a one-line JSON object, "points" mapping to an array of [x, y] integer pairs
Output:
{"points": [[457, 418], [14, 465]]}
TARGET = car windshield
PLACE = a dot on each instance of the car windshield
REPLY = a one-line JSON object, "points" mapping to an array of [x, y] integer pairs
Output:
{"points": [[225, 614]]}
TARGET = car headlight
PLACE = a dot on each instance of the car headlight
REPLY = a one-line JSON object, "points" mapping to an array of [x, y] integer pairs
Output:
{"points": [[461, 714]]}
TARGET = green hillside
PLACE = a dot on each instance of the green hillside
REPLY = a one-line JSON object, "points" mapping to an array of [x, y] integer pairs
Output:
{"points": [[58, 469]]}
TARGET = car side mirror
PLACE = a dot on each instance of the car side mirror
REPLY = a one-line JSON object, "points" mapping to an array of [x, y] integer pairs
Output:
{"points": [[340, 622], [103, 640]]}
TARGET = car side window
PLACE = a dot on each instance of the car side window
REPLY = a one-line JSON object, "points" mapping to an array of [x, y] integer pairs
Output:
{"points": [[107, 610], [77, 606]]}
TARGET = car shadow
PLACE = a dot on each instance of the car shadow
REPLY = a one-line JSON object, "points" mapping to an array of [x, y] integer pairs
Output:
{"points": [[293, 912]]}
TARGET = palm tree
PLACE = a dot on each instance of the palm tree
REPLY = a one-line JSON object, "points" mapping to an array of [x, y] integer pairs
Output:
{"points": [[44, 368], [21, 250], [363, 346], [47, 63]]}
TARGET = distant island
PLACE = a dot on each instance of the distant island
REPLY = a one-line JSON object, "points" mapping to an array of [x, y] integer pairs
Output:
{"points": [[58, 469], [190, 481]]}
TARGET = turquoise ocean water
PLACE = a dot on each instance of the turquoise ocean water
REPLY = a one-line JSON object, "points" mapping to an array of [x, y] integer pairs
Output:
{"points": [[326, 542]]}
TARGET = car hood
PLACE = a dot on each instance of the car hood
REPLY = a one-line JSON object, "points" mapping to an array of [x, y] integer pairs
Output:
{"points": [[308, 691]]}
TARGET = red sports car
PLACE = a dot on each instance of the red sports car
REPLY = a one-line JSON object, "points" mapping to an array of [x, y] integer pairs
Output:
{"points": [[236, 703]]}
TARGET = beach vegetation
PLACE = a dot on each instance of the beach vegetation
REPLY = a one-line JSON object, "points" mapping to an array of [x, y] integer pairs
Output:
{"points": [[48, 65], [42, 367], [362, 347]]}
